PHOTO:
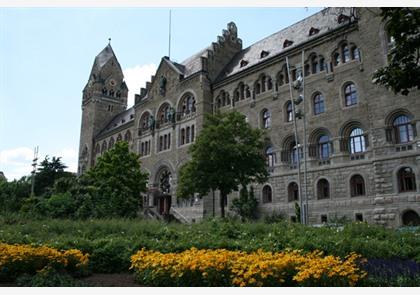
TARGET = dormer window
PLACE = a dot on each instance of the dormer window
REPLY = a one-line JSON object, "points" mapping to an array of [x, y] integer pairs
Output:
{"points": [[287, 43], [264, 54], [243, 63], [313, 31], [131, 116], [343, 18], [122, 121]]}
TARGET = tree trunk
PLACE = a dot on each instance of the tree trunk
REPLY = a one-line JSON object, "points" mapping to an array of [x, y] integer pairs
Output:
{"points": [[222, 204]]}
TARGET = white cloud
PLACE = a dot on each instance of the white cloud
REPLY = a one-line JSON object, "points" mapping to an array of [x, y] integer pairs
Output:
{"points": [[17, 162], [136, 78]]}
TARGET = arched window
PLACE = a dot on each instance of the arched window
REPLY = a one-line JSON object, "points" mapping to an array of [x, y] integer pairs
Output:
{"points": [[294, 154], [165, 181], [104, 146], [403, 129], [192, 133], [324, 147], [267, 195], [127, 136], [266, 118], [350, 94], [269, 83], [97, 149], [319, 106], [144, 121], [321, 64], [410, 218], [257, 88], [270, 156], [406, 180], [357, 141], [111, 92], [336, 59], [186, 105], [111, 143], [187, 134], [280, 79], [263, 82], [345, 52], [307, 70], [357, 186], [355, 53], [289, 112], [247, 92], [323, 189], [164, 113], [182, 136], [293, 192], [119, 137], [314, 64]]}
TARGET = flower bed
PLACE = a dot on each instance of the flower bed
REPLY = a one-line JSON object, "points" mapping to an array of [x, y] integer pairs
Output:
{"points": [[236, 268], [16, 260]]}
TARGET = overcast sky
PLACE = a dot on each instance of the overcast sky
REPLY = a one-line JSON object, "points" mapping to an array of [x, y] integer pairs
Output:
{"points": [[46, 55]]}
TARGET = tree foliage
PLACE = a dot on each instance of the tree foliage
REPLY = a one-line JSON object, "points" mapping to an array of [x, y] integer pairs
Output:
{"points": [[227, 154], [403, 71], [114, 184], [13, 193], [246, 205], [48, 172]]}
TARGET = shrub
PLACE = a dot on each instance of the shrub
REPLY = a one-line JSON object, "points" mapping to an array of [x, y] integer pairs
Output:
{"points": [[236, 268], [16, 260], [49, 277], [111, 255]]}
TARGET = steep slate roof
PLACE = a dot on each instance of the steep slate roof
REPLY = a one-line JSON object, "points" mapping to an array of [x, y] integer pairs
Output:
{"points": [[119, 120], [324, 21], [193, 63], [103, 57]]}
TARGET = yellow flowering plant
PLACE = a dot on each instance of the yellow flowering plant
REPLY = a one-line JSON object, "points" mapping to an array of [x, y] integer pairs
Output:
{"points": [[20, 259], [222, 267]]}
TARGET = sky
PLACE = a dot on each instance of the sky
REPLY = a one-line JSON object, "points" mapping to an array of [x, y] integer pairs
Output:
{"points": [[46, 55]]}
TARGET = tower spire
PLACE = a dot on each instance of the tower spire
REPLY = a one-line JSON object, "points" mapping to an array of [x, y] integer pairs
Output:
{"points": [[109, 41]]}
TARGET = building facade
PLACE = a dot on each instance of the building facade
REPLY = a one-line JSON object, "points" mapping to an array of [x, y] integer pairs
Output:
{"points": [[362, 152]]}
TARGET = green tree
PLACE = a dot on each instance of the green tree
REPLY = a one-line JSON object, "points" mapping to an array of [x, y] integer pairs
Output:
{"points": [[227, 154], [48, 173], [13, 193], [403, 71], [114, 184]]}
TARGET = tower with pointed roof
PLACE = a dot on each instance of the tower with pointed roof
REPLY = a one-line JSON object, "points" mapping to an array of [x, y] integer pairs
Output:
{"points": [[104, 96]]}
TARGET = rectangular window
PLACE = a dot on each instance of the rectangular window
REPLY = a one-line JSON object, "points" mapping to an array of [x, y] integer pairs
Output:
{"points": [[324, 219], [359, 217]]}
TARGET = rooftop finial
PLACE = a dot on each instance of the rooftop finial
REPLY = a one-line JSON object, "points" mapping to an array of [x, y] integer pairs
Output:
{"points": [[109, 41]]}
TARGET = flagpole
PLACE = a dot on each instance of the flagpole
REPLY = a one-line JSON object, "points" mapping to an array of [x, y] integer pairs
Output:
{"points": [[170, 23], [305, 170]]}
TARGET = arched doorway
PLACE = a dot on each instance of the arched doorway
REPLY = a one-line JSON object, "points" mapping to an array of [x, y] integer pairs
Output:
{"points": [[163, 197], [410, 218]]}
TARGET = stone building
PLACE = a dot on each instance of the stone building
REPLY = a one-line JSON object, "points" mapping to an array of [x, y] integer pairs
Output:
{"points": [[362, 152]]}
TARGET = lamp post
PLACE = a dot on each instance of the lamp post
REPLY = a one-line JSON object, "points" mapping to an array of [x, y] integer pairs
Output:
{"points": [[298, 85], [296, 114]]}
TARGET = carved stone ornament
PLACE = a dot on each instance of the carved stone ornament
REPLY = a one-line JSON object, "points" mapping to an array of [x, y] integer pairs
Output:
{"points": [[162, 85]]}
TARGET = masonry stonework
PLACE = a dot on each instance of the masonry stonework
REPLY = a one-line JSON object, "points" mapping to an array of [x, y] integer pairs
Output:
{"points": [[363, 152]]}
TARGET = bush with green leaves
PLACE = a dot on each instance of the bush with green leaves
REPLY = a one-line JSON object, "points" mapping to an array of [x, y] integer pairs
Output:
{"points": [[246, 205]]}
